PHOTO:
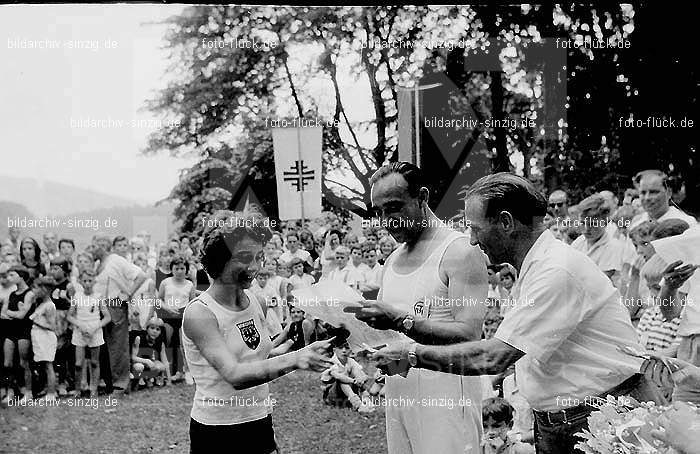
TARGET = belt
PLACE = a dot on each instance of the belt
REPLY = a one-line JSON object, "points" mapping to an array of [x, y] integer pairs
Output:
{"points": [[566, 415]]}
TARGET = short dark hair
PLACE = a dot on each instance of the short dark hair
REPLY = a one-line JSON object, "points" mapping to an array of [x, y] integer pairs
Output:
{"points": [[412, 174], [498, 409], [505, 191], [669, 227], [44, 281], [339, 334], [22, 271], [494, 268], [368, 248], [66, 240], [180, 259], [119, 238], [64, 263], [507, 273], [224, 231]]}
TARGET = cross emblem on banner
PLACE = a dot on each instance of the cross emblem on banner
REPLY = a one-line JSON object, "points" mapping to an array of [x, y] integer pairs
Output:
{"points": [[299, 175]]}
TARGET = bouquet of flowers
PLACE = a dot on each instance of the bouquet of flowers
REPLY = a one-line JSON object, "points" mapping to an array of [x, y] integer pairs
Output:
{"points": [[623, 426]]}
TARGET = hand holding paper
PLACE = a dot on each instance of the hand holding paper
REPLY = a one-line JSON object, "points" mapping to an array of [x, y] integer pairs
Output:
{"points": [[335, 303]]}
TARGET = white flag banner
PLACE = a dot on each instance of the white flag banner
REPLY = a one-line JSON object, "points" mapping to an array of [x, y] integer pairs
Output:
{"points": [[298, 171]]}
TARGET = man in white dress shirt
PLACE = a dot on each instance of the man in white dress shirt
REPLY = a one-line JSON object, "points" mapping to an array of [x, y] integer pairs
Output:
{"points": [[655, 196], [294, 251], [563, 329]]}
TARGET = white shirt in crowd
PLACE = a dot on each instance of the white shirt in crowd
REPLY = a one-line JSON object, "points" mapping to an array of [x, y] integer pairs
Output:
{"points": [[287, 256], [373, 276], [350, 275], [117, 276], [303, 281], [568, 320], [672, 213], [606, 252]]}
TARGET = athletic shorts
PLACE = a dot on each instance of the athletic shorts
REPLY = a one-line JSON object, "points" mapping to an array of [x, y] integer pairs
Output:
{"points": [[95, 340], [43, 344], [254, 437], [18, 329]]}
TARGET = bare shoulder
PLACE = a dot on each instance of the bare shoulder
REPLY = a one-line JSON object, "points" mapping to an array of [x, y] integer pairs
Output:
{"points": [[461, 254], [197, 318]]}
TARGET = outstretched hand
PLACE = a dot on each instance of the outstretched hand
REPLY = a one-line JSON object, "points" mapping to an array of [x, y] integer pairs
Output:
{"points": [[393, 359], [377, 314], [314, 356]]}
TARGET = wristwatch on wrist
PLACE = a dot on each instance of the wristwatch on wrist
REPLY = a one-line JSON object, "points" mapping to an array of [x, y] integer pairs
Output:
{"points": [[407, 323], [412, 357]]}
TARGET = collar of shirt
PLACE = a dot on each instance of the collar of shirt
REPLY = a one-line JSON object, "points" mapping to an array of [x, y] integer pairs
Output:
{"points": [[538, 249]]}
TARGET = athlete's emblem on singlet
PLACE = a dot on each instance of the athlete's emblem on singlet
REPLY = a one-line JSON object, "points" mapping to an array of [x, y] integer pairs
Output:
{"points": [[249, 333], [421, 309]]}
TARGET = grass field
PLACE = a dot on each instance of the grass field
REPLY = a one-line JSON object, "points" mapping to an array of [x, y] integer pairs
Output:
{"points": [[157, 421]]}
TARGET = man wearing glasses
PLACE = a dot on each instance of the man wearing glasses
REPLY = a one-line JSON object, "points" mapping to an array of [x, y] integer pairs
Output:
{"points": [[558, 204], [655, 196]]}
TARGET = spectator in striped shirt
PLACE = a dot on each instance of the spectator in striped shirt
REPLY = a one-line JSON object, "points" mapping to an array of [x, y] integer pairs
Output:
{"points": [[656, 333]]}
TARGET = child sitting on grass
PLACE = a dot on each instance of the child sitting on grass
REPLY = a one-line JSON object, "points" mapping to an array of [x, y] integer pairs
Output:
{"points": [[345, 380], [498, 421], [149, 361]]}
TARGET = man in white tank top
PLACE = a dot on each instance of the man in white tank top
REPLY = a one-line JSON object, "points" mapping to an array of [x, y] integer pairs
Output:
{"points": [[433, 289]]}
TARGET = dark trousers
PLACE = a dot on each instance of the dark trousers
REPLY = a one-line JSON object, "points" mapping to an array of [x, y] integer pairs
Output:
{"points": [[173, 345], [64, 362], [254, 437], [116, 336], [559, 438]]}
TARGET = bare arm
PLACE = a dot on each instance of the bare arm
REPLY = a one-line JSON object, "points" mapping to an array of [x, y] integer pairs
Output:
{"points": [[164, 360], [307, 326], [485, 357], [282, 338], [106, 317], [633, 302], [70, 317], [135, 352], [140, 279], [465, 270], [200, 325], [23, 307], [3, 310]]}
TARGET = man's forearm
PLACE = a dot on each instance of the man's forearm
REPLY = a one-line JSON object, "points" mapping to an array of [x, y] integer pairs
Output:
{"points": [[484, 357], [432, 332], [140, 279]]}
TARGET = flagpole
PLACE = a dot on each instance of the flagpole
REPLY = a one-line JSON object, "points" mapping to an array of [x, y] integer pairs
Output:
{"points": [[301, 193]]}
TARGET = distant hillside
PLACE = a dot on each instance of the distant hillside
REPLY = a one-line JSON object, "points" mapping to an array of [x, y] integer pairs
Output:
{"points": [[11, 209], [50, 198], [81, 226]]}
